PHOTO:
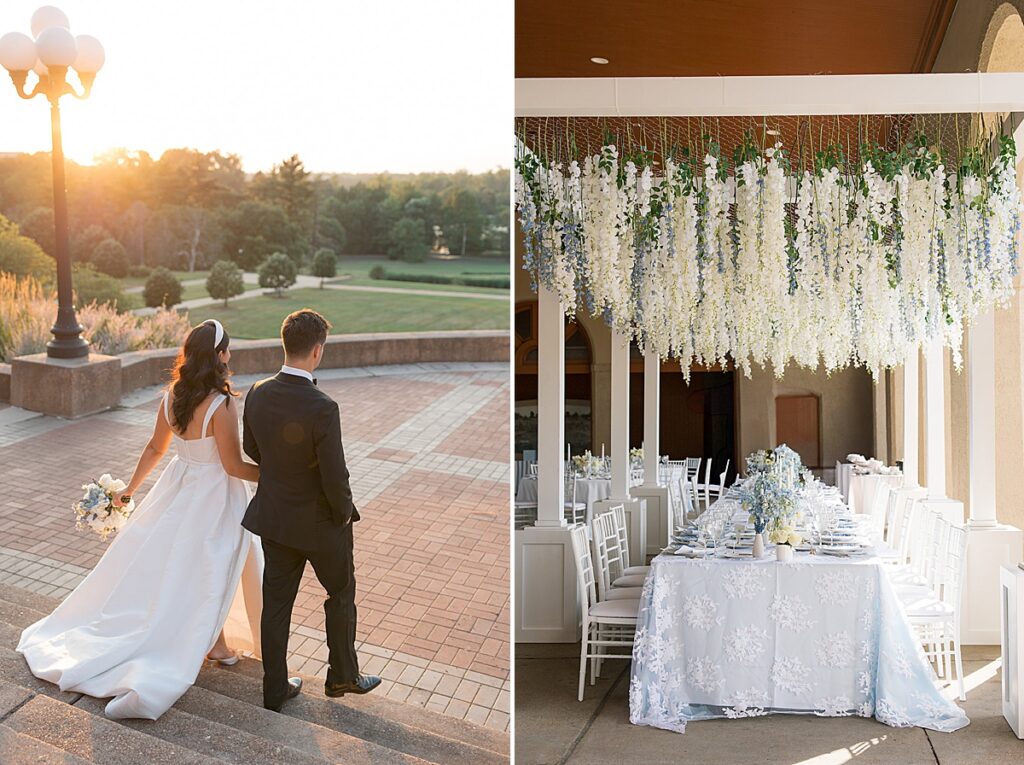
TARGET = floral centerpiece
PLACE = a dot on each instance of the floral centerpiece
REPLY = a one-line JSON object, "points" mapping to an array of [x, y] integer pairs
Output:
{"points": [[636, 457], [770, 494], [96, 510], [586, 464]]}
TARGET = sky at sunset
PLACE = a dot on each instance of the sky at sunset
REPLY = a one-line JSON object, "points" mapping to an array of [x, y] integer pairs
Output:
{"points": [[381, 85]]}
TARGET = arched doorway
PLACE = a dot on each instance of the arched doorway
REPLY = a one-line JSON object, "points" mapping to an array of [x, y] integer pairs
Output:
{"points": [[578, 383]]}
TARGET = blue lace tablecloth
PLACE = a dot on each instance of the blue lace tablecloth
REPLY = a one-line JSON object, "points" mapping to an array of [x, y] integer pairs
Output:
{"points": [[743, 638]]}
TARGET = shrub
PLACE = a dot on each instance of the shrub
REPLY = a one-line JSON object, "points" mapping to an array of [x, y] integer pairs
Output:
{"points": [[90, 286], [225, 281], [495, 282], [21, 256], [27, 310], [161, 289], [111, 258], [139, 272], [325, 265], [378, 272], [278, 272]]}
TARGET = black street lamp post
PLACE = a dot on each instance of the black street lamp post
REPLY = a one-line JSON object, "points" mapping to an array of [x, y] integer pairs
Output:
{"points": [[50, 55]]}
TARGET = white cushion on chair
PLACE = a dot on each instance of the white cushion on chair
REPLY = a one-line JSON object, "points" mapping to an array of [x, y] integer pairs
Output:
{"points": [[570, 506], [633, 580], [616, 609], [926, 607], [623, 593], [642, 570]]}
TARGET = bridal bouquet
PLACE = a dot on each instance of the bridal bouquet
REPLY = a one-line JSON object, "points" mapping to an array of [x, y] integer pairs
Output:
{"points": [[96, 511]]}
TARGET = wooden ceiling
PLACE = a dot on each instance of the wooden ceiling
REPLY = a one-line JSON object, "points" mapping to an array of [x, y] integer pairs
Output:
{"points": [[689, 38]]}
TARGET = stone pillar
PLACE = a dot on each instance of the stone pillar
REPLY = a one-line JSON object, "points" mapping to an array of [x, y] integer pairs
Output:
{"points": [[636, 524], [658, 513], [910, 418], [68, 388], [935, 420], [652, 417], [981, 416], [546, 597], [550, 410]]}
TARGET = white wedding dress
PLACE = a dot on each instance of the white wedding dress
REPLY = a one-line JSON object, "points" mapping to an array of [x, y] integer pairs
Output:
{"points": [[139, 626]]}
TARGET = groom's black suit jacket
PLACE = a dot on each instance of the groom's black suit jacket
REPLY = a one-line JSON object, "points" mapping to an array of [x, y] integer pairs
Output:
{"points": [[292, 430]]}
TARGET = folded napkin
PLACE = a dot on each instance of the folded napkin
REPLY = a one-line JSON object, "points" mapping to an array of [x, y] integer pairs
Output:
{"points": [[685, 550]]}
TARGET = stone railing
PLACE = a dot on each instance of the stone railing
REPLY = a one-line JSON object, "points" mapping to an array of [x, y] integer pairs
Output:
{"points": [[143, 368]]}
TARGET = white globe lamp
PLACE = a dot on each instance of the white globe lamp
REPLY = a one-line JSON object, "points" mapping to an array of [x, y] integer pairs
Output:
{"points": [[17, 52], [56, 47], [46, 17]]}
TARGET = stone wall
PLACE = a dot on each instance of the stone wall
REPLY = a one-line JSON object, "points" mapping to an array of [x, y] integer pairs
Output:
{"points": [[143, 368]]}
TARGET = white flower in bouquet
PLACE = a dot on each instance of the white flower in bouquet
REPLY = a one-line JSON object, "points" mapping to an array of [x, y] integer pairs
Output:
{"points": [[96, 510], [785, 535]]}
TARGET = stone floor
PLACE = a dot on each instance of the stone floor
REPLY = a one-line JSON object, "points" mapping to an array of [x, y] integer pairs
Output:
{"points": [[553, 727], [427, 447]]}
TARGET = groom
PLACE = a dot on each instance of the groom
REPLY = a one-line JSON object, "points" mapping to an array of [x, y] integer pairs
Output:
{"points": [[302, 510]]}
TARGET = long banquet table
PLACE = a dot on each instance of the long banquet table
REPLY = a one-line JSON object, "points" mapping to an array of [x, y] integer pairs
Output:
{"points": [[720, 637]]}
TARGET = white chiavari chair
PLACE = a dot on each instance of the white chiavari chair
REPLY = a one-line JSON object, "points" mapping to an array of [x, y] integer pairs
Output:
{"points": [[532, 466], [695, 497], [606, 625], [575, 512], [706, 486], [619, 513], [608, 562], [692, 468], [937, 616]]}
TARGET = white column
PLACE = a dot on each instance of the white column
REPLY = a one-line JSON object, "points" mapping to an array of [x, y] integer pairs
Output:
{"points": [[910, 418], [935, 420], [981, 415], [550, 409], [652, 411], [620, 416]]}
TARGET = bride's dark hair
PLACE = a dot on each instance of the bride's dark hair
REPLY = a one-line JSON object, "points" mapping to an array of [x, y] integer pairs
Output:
{"points": [[197, 371]]}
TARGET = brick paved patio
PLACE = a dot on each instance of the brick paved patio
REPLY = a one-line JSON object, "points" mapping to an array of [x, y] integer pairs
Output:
{"points": [[427, 447]]}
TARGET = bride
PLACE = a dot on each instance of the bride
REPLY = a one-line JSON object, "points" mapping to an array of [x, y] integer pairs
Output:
{"points": [[181, 573]]}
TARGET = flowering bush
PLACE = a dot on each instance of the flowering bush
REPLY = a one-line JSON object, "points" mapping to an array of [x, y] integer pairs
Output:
{"points": [[864, 263], [27, 311]]}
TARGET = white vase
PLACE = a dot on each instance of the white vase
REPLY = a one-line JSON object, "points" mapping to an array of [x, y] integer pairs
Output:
{"points": [[783, 553], [758, 551]]}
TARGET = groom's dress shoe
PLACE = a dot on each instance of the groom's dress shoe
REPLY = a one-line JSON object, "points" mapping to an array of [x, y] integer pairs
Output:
{"points": [[294, 686], [362, 684]]}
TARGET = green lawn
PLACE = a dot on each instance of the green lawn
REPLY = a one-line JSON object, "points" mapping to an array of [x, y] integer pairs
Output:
{"points": [[352, 312], [199, 291]]}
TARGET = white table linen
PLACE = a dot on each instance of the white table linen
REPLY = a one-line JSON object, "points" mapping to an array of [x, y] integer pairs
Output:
{"points": [[743, 638]]}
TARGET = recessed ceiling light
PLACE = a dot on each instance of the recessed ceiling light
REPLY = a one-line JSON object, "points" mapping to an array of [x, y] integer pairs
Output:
{"points": [[598, 60]]}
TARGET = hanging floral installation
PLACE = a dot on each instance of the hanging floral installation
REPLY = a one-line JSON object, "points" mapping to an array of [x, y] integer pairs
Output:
{"points": [[835, 264]]}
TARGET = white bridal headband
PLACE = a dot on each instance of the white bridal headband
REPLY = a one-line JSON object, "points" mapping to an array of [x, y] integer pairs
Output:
{"points": [[219, 333]]}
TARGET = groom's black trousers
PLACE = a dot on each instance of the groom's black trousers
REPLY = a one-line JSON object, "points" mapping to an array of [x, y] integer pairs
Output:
{"points": [[282, 575]]}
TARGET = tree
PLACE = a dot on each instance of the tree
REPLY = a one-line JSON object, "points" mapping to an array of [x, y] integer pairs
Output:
{"points": [[255, 230], [86, 241], [225, 281], [22, 256], [111, 258], [161, 289], [325, 265], [278, 273], [407, 241], [463, 221], [38, 225]]}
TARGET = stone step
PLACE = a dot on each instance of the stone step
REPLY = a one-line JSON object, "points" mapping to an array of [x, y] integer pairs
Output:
{"points": [[311, 739], [18, 616], [15, 671], [409, 714], [244, 682], [19, 749], [94, 738], [44, 604], [209, 737]]}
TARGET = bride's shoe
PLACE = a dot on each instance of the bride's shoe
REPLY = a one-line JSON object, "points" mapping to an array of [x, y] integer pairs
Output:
{"points": [[228, 661]]}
